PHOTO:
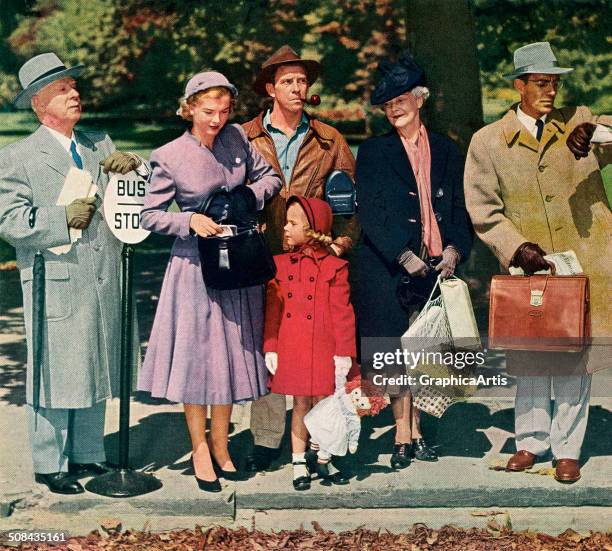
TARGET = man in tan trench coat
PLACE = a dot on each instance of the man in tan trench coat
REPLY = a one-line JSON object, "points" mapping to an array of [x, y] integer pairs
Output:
{"points": [[533, 186]]}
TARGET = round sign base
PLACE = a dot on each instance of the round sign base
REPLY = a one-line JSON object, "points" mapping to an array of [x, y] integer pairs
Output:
{"points": [[123, 483]]}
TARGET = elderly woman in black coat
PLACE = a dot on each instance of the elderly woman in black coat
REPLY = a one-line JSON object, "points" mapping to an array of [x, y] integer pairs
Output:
{"points": [[415, 224]]}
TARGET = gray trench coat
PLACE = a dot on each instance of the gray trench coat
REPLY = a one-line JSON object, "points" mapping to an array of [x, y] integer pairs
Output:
{"points": [[83, 300]]}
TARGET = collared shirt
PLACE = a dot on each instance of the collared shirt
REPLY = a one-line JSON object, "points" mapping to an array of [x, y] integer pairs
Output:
{"points": [[63, 140], [287, 148], [529, 122]]}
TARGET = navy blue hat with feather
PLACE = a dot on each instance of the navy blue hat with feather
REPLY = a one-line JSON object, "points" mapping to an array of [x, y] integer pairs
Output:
{"points": [[396, 78]]}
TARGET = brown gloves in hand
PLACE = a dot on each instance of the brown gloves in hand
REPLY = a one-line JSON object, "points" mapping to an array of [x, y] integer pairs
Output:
{"points": [[579, 141], [121, 162], [530, 257], [80, 212]]}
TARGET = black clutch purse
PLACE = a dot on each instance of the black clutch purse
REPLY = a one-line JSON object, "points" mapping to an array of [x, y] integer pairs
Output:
{"points": [[234, 261], [414, 291]]}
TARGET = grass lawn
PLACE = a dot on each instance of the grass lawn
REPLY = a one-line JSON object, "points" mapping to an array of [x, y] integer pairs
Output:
{"points": [[139, 137]]}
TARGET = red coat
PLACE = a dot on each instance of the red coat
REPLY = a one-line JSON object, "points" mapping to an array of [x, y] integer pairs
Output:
{"points": [[309, 320]]}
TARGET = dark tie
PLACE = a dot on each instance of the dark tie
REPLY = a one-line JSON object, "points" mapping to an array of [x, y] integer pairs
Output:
{"points": [[77, 158], [540, 127]]}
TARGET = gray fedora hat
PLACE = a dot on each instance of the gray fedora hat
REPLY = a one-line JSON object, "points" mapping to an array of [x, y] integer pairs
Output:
{"points": [[39, 71], [536, 58]]}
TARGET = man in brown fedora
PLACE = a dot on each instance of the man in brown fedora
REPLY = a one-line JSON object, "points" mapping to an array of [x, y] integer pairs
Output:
{"points": [[304, 151]]}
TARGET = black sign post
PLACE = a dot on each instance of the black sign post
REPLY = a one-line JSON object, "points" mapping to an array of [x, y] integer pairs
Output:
{"points": [[124, 482]]}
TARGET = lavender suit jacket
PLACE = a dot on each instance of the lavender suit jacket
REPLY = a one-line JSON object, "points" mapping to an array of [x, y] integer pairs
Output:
{"points": [[188, 173]]}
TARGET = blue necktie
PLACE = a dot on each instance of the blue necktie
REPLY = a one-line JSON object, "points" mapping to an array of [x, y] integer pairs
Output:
{"points": [[75, 155], [540, 126]]}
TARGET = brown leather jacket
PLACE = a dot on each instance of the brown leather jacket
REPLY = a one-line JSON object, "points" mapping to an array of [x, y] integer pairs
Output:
{"points": [[322, 151]]}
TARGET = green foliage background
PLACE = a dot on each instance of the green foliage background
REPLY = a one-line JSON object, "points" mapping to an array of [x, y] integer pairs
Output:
{"points": [[140, 53]]}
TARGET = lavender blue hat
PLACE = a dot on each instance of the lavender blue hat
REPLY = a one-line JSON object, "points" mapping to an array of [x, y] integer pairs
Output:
{"points": [[536, 58], [208, 79], [39, 71]]}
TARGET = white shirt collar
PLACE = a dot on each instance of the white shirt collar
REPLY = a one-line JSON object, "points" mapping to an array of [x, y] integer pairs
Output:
{"points": [[63, 140], [529, 122]]}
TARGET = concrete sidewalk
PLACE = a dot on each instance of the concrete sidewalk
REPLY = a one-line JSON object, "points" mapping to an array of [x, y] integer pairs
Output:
{"points": [[457, 486]]}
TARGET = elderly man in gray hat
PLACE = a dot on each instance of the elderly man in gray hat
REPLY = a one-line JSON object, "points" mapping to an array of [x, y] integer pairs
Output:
{"points": [[81, 326], [533, 186]]}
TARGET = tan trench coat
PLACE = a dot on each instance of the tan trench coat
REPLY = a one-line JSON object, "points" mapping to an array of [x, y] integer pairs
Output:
{"points": [[518, 190]]}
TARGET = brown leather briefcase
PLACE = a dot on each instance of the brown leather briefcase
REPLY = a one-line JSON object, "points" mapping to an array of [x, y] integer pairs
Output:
{"points": [[539, 313]]}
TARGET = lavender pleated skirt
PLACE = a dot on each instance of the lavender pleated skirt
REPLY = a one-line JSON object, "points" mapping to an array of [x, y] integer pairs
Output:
{"points": [[205, 345]]}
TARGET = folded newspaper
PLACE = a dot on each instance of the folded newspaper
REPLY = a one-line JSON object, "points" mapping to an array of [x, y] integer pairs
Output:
{"points": [[602, 134], [78, 184], [566, 263]]}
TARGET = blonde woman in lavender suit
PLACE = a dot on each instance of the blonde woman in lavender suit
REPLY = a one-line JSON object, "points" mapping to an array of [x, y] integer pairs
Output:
{"points": [[206, 344]]}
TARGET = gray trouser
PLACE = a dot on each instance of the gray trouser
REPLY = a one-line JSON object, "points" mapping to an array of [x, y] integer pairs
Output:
{"points": [[539, 426], [268, 420], [61, 435]]}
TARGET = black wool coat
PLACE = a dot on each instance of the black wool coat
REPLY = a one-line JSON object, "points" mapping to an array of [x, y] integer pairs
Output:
{"points": [[389, 212]]}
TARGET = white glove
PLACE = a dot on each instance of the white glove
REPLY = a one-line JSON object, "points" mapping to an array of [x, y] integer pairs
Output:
{"points": [[343, 365], [271, 362]]}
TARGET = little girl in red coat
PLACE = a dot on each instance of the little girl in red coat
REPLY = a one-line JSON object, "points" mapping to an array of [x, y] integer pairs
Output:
{"points": [[309, 335]]}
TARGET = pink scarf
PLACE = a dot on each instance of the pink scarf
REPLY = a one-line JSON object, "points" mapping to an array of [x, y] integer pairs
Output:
{"points": [[419, 156]]}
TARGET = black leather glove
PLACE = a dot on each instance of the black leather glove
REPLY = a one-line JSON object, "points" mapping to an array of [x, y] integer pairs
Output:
{"points": [[243, 206], [579, 141], [530, 257]]}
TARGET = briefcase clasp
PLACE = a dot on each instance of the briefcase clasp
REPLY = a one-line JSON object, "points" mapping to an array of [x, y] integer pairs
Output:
{"points": [[537, 297]]}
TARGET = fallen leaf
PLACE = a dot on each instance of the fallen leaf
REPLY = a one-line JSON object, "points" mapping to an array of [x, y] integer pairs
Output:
{"points": [[497, 464], [486, 513], [544, 471], [110, 525], [571, 535]]}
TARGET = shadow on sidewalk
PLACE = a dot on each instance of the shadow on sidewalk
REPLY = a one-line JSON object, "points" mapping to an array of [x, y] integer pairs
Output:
{"points": [[161, 439]]}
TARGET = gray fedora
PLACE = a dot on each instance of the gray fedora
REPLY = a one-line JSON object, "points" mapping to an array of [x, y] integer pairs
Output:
{"points": [[39, 71], [536, 58]]}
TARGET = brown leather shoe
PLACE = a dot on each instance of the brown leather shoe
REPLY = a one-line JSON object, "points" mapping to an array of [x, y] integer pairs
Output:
{"points": [[567, 470], [520, 461]]}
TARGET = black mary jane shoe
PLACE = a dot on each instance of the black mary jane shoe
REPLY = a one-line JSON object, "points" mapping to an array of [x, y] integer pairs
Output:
{"points": [[89, 469], [339, 478], [59, 483], [400, 459], [260, 458], [234, 476], [423, 452], [206, 485], [303, 482]]}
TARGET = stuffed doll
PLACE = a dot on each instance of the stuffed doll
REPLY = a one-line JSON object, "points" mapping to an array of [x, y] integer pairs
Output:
{"points": [[334, 423]]}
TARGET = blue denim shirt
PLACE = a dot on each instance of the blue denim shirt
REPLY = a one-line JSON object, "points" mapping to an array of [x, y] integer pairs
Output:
{"points": [[287, 148]]}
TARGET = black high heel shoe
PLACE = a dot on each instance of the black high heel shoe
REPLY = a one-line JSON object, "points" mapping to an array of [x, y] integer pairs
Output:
{"points": [[400, 459], [206, 485], [234, 476], [423, 452]]}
